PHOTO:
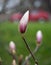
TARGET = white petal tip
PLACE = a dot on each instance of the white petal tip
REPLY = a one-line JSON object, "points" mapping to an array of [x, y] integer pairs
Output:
{"points": [[12, 45], [27, 12], [11, 42]]}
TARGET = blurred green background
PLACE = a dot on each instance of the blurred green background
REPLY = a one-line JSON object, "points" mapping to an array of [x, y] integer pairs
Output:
{"points": [[9, 32]]}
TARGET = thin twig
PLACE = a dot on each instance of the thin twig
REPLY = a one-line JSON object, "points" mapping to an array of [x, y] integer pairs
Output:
{"points": [[28, 48], [34, 51], [30, 51], [29, 56]]}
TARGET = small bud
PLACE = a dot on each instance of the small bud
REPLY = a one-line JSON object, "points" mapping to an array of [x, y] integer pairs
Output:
{"points": [[0, 61], [14, 62], [20, 59], [27, 61], [13, 52], [12, 46], [23, 22], [39, 37], [26, 57], [35, 64]]}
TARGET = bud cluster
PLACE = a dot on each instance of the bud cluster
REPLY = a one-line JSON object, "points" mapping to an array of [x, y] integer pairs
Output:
{"points": [[12, 47]]}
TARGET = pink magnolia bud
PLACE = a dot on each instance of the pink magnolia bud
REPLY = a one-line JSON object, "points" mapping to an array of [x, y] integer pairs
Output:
{"points": [[12, 45], [23, 22], [39, 36]]}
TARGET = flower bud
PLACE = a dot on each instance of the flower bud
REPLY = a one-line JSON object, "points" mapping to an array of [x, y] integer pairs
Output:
{"points": [[0, 61], [39, 37], [20, 59], [14, 62], [27, 61], [12, 46], [23, 22]]}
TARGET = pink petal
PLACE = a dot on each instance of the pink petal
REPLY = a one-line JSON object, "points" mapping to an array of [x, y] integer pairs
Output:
{"points": [[39, 36], [12, 45], [24, 22]]}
